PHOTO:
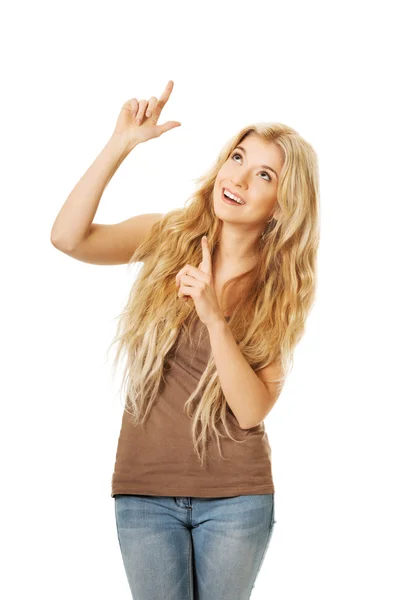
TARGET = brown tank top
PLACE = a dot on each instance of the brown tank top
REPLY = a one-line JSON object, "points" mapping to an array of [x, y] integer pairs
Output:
{"points": [[159, 460]]}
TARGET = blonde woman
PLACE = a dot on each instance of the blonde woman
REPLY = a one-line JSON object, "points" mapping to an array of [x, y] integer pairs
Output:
{"points": [[208, 334]]}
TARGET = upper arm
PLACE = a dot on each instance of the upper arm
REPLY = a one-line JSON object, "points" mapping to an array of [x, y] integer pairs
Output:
{"points": [[113, 244]]}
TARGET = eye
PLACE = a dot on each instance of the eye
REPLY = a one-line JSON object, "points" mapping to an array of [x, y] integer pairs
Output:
{"points": [[237, 154]]}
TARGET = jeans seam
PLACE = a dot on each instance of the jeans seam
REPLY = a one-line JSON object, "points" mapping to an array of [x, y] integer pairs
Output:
{"points": [[190, 570]]}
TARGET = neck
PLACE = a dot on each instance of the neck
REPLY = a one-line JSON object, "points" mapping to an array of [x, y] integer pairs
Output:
{"points": [[232, 263]]}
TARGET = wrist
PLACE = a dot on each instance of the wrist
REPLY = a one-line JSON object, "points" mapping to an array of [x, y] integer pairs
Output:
{"points": [[217, 324], [123, 143]]}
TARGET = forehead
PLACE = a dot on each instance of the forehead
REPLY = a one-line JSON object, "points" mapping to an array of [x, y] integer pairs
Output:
{"points": [[260, 151], [260, 148]]}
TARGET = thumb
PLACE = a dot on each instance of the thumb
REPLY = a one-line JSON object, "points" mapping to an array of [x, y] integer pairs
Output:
{"points": [[167, 126]]}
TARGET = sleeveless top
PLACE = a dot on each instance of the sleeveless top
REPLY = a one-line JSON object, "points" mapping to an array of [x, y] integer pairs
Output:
{"points": [[159, 460]]}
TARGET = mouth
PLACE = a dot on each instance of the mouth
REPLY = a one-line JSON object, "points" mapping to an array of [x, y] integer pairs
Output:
{"points": [[229, 200]]}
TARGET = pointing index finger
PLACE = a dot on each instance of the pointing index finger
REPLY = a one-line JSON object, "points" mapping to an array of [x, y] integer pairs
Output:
{"points": [[163, 98], [206, 263]]}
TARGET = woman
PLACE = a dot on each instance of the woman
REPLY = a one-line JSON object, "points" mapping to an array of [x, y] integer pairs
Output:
{"points": [[193, 486]]}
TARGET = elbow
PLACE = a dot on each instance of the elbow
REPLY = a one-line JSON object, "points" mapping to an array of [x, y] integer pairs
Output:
{"points": [[252, 425], [259, 419], [60, 245], [55, 241]]}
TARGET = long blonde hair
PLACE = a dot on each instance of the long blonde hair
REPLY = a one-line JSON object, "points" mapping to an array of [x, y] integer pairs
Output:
{"points": [[269, 319]]}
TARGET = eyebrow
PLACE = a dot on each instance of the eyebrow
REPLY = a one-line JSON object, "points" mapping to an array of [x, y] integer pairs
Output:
{"points": [[263, 166]]}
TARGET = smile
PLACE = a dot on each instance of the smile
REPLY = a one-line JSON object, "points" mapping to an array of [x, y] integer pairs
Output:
{"points": [[229, 200]]}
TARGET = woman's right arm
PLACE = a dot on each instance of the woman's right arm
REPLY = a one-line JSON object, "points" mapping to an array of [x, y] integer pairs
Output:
{"points": [[75, 218], [73, 231]]}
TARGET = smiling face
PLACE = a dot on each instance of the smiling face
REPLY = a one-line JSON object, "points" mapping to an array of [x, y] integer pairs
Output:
{"points": [[249, 174]]}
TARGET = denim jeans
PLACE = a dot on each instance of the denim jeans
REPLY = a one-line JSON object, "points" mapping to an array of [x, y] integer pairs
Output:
{"points": [[191, 548]]}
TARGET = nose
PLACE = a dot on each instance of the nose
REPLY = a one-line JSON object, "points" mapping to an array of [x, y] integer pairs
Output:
{"points": [[239, 180]]}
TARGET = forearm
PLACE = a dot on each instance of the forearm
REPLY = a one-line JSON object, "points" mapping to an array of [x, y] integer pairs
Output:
{"points": [[78, 211], [244, 391]]}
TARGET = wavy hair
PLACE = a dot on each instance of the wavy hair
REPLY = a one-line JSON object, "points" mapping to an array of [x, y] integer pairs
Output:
{"points": [[268, 320]]}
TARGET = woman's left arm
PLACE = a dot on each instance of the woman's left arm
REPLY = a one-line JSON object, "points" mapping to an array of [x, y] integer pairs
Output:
{"points": [[245, 392]]}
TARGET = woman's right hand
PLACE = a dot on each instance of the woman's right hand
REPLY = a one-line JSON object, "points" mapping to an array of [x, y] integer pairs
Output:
{"points": [[136, 132]]}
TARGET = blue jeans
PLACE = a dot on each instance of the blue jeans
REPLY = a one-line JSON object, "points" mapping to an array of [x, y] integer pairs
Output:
{"points": [[190, 548]]}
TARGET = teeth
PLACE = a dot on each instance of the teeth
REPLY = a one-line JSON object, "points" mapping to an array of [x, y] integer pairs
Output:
{"points": [[233, 197]]}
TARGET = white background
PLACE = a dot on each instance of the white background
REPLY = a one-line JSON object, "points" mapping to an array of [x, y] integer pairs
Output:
{"points": [[329, 71]]}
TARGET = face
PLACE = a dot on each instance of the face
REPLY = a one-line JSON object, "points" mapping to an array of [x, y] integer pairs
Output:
{"points": [[246, 175]]}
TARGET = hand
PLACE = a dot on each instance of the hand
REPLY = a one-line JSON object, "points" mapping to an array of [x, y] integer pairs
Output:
{"points": [[198, 284], [137, 121]]}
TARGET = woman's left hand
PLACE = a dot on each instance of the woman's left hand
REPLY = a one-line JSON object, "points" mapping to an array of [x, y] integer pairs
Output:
{"points": [[198, 283]]}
